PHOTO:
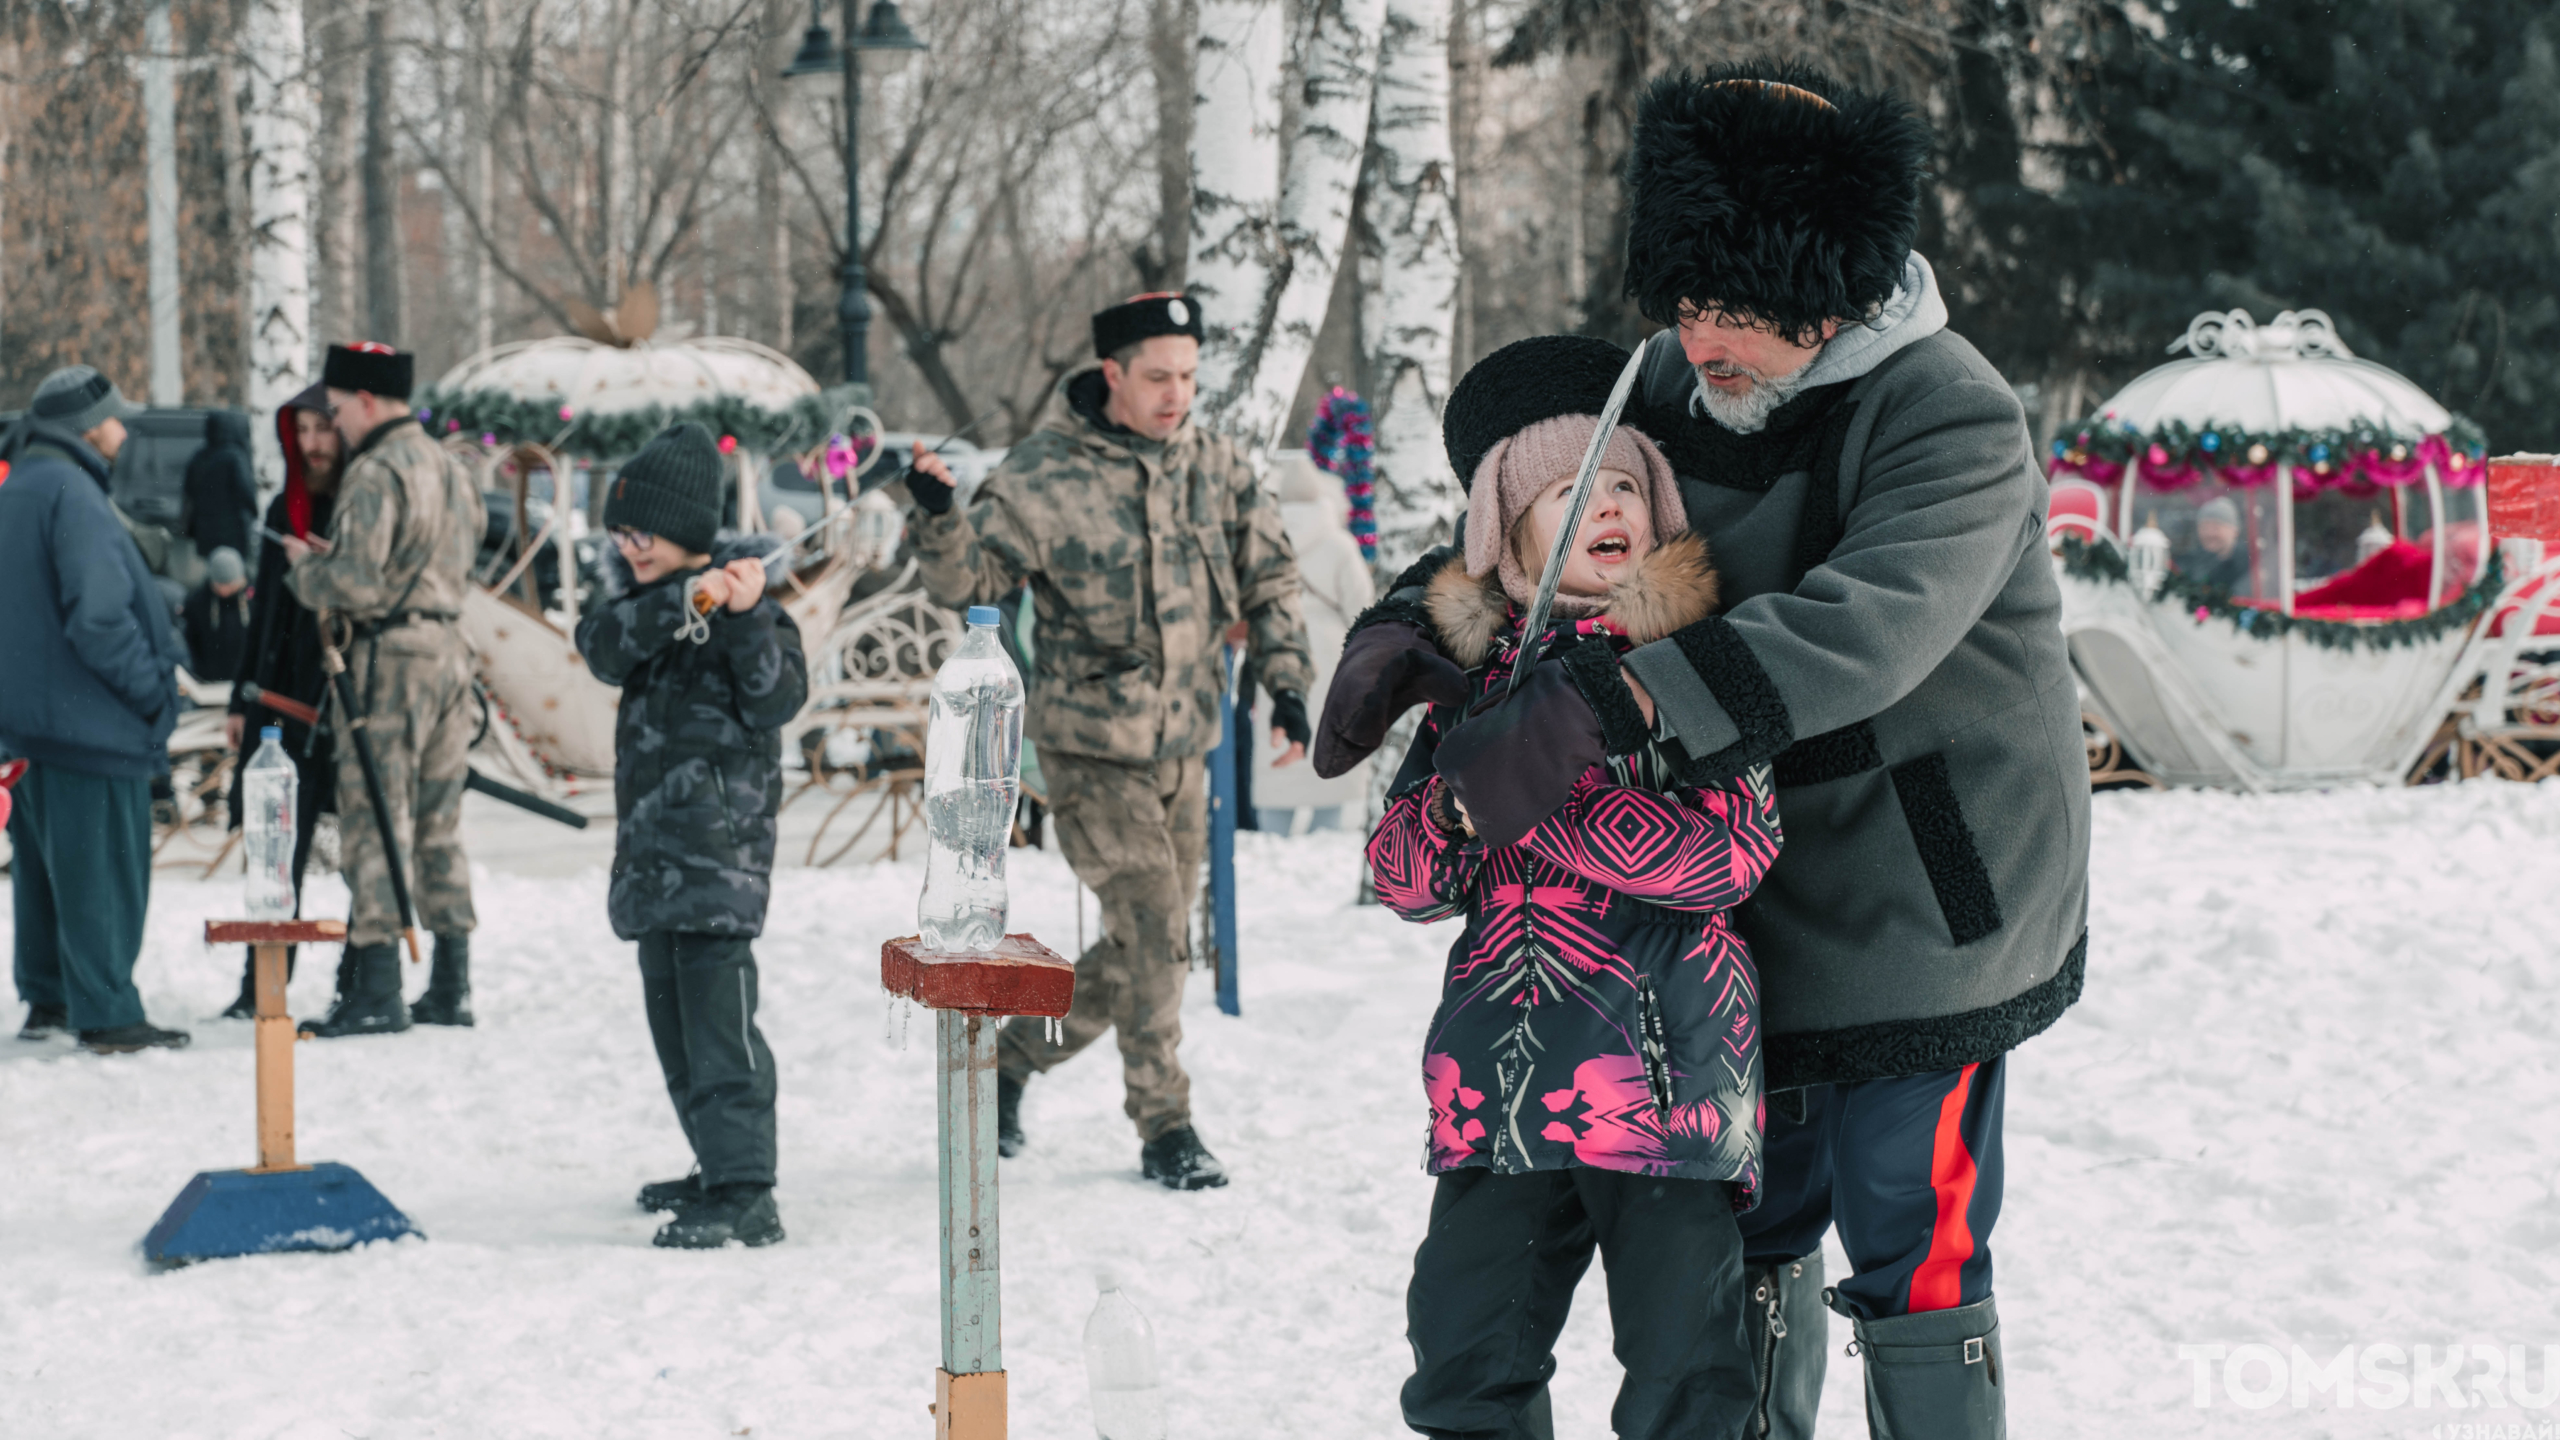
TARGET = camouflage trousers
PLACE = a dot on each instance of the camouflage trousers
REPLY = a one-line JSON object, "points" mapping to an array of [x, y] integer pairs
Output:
{"points": [[1136, 834], [415, 683]]}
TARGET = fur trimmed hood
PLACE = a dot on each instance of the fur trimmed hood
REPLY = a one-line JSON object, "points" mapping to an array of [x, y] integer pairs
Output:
{"points": [[1774, 192], [1669, 589]]}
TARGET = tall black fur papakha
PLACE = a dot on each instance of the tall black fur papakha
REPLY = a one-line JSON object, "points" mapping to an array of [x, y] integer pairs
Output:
{"points": [[1773, 193]]}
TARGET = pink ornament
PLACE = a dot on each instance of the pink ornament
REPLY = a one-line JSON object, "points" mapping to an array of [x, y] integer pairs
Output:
{"points": [[566, 413], [728, 444]]}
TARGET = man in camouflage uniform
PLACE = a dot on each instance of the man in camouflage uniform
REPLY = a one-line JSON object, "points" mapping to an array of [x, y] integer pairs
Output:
{"points": [[395, 568], [1143, 538]]}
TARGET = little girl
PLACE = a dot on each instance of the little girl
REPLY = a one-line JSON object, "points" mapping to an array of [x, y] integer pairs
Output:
{"points": [[1594, 1066]]}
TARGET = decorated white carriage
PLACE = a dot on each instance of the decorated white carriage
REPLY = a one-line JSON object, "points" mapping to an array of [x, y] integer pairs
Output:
{"points": [[2280, 570]]}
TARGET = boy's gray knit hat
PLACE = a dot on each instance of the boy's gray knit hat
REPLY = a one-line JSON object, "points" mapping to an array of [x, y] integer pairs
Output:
{"points": [[671, 488]]}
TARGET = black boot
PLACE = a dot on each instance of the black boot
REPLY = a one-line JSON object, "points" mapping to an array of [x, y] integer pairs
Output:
{"points": [[1789, 1332], [448, 997], [370, 1003], [1009, 1139], [1934, 1375], [677, 1195], [1178, 1161], [741, 1213], [44, 1022], [245, 1007], [125, 1039]]}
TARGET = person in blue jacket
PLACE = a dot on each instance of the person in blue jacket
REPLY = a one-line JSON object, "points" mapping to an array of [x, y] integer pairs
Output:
{"points": [[91, 699]]}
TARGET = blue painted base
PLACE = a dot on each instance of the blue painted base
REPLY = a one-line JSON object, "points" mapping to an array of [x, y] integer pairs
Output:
{"points": [[233, 1212]]}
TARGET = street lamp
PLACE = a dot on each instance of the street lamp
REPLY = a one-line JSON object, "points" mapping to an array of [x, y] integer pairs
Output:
{"points": [[886, 31]]}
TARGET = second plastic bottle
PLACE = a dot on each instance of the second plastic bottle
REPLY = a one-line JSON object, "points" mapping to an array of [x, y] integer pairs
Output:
{"points": [[972, 781]]}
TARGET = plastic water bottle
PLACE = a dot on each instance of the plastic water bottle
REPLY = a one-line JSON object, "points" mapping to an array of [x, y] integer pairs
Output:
{"points": [[972, 779], [1120, 1366], [266, 824]]}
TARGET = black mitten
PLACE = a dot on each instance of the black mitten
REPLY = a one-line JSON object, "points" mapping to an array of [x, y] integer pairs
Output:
{"points": [[1289, 715], [1515, 759], [932, 496], [1387, 669]]}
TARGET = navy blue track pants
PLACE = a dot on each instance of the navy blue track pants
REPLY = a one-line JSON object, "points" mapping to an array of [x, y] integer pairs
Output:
{"points": [[1908, 1168]]}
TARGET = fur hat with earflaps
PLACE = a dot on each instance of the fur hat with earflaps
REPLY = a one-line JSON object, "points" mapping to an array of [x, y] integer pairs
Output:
{"points": [[1773, 193]]}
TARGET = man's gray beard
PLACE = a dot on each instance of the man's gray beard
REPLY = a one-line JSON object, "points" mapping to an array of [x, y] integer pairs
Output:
{"points": [[1748, 412]]}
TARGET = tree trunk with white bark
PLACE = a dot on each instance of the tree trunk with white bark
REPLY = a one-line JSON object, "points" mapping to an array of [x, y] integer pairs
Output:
{"points": [[1235, 176], [279, 239], [1409, 310], [1249, 391]]}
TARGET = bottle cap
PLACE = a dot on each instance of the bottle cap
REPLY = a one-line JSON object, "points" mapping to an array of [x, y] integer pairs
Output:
{"points": [[270, 732], [985, 615]]}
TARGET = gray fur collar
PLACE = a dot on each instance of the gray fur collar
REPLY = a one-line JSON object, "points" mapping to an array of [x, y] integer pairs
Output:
{"points": [[1670, 589]]}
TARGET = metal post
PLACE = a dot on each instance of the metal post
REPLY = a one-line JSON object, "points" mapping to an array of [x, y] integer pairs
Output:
{"points": [[853, 306], [1222, 842], [972, 1318]]}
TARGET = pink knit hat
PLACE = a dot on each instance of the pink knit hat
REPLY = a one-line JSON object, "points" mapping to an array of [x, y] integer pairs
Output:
{"points": [[1518, 468]]}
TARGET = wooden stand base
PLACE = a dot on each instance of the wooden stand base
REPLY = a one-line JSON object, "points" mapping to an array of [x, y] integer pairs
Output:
{"points": [[968, 1407]]}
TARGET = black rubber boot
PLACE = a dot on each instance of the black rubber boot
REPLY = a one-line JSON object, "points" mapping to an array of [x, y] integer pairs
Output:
{"points": [[1009, 1137], [246, 1007], [370, 1003], [44, 1022], [677, 1195], [727, 1214], [1178, 1161], [1789, 1331], [125, 1039], [448, 997], [1934, 1375]]}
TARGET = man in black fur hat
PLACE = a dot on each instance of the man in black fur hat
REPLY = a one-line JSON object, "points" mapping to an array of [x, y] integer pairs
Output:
{"points": [[396, 567], [1890, 641]]}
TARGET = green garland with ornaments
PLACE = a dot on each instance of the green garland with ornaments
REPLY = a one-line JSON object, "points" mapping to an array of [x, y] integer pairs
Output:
{"points": [[497, 418], [2105, 564], [2356, 458]]}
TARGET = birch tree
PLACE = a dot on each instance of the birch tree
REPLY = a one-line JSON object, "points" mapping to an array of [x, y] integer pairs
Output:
{"points": [[1235, 177], [279, 237], [1251, 400], [1409, 275]]}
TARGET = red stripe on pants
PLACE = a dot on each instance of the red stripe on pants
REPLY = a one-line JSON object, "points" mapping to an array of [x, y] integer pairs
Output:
{"points": [[1939, 1282]]}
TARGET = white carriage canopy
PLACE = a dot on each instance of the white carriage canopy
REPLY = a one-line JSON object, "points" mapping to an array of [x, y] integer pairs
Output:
{"points": [[2272, 473]]}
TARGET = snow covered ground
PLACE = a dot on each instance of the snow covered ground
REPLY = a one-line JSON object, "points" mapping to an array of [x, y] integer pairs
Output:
{"points": [[2311, 1099]]}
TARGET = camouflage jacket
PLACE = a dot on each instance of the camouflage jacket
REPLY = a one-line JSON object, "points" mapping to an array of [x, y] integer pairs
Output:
{"points": [[1139, 555], [407, 528], [697, 751]]}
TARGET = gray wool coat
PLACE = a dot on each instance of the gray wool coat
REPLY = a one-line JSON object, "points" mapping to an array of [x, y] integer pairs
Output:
{"points": [[1930, 907]]}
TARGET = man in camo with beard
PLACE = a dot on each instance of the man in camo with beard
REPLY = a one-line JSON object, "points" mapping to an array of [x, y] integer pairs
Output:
{"points": [[1143, 538]]}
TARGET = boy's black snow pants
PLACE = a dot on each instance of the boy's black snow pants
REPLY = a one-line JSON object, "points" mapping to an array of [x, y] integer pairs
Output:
{"points": [[1495, 1277], [701, 995]]}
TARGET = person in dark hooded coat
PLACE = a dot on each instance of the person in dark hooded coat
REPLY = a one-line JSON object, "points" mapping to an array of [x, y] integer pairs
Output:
{"points": [[222, 486], [697, 783], [283, 655]]}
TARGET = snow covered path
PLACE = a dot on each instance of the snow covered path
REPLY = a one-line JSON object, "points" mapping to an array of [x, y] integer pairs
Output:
{"points": [[2310, 1099]]}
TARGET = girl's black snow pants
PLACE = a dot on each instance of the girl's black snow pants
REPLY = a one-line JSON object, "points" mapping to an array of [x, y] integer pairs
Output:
{"points": [[1495, 1276]]}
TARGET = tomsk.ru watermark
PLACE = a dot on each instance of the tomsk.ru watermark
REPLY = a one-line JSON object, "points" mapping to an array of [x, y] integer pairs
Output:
{"points": [[2389, 1377]]}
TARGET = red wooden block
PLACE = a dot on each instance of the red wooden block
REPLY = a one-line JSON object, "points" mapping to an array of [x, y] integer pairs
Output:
{"points": [[273, 932], [1020, 976]]}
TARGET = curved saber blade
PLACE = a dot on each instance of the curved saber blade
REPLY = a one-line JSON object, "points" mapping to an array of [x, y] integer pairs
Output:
{"points": [[1571, 528]]}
